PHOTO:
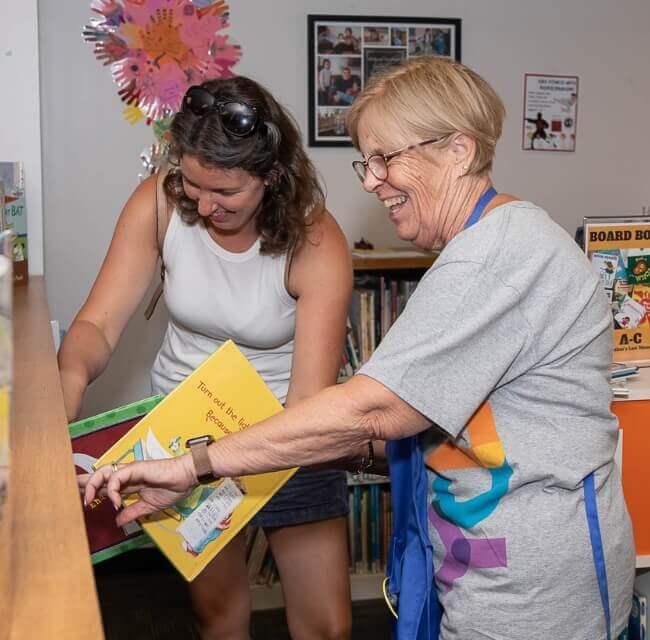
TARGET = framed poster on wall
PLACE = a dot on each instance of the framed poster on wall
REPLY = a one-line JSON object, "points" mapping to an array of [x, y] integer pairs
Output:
{"points": [[619, 251], [346, 51], [550, 112]]}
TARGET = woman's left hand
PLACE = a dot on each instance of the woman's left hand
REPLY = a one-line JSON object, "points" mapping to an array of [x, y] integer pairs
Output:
{"points": [[159, 483]]}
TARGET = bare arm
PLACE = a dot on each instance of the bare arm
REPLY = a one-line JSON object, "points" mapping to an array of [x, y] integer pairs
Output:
{"points": [[325, 427], [335, 423], [321, 280], [121, 283]]}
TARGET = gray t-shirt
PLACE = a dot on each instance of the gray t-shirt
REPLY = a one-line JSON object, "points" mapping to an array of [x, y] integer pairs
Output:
{"points": [[505, 346]]}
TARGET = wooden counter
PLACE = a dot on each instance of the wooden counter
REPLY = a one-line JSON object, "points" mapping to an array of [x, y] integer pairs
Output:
{"points": [[394, 258], [51, 585]]}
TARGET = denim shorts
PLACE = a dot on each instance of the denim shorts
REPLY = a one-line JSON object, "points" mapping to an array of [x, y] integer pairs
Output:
{"points": [[309, 496]]}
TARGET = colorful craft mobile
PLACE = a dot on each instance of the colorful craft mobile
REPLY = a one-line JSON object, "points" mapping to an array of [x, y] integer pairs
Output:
{"points": [[156, 49]]}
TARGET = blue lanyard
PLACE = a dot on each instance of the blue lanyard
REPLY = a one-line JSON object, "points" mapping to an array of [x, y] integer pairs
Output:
{"points": [[480, 207]]}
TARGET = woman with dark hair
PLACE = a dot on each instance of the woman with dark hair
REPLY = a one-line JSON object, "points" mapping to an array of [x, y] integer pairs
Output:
{"points": [[250, 254]]}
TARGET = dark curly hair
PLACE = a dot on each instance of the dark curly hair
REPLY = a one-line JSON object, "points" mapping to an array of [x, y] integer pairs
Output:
{"points": [[273, 152]]}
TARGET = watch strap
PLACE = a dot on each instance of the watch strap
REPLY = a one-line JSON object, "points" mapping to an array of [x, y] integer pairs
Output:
{"points": [[202, 466]]}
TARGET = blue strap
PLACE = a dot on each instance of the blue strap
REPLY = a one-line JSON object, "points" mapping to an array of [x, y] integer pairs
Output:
{"points": [[410, 561], [597, 546], [480, 206]]}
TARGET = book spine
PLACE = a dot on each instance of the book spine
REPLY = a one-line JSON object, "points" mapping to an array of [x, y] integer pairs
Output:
{"points": [[351, 531], [365, 555], [357, 529], [374, 528]]}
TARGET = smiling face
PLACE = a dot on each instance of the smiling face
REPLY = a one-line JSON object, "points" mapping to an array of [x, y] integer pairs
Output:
{"points": [[418, 190], [228, 200]]}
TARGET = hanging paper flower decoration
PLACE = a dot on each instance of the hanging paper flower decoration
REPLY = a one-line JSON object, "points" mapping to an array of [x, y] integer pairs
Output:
{"points": [[156, 50]]}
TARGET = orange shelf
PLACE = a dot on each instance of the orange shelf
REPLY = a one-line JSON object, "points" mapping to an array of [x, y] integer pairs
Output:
{"points": [[634, 418]]}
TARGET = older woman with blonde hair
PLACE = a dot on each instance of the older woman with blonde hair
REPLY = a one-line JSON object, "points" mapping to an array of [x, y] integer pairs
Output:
{"points": [[490, 391]]}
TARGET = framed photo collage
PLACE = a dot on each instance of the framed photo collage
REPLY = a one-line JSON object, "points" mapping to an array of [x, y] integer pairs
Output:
{"points": [[346, 51]]}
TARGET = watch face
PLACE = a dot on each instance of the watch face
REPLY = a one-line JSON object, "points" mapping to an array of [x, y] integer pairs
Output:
{"points": [[206, 478]]}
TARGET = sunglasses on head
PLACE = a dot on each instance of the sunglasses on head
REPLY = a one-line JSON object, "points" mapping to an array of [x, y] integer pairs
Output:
{"points": [[238, 118]]}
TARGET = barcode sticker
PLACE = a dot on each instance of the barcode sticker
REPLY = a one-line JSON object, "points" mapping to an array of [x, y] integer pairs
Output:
{"points": [[211, 514]]}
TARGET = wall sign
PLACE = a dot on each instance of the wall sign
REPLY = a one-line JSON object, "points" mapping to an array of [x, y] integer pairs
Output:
{"points": [[619, 251], [550, 112]]}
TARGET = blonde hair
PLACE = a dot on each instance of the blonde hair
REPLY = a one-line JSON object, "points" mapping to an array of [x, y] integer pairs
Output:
{"points": [[429, 97]]}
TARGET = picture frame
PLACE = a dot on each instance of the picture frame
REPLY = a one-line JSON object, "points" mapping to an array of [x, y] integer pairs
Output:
{"points": [[344, 52]]}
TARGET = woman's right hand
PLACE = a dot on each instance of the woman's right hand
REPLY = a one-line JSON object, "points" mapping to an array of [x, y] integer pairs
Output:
{"points": [[159, 483]]}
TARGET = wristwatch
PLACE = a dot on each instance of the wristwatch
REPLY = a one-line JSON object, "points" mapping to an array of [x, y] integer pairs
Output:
{"points": [[199, 450]]}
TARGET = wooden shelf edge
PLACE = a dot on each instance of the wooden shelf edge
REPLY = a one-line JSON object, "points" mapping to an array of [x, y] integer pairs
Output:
{"points": [[642, 562], [376, 264], [52, 586], [364, 586]]}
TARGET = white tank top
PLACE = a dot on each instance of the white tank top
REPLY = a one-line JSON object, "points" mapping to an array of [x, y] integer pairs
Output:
{"points": [[213, 295]]}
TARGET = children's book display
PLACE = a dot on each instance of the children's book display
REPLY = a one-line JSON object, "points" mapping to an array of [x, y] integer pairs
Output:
{"points": [[222, 396], [13, 215], [619, 251], [90, 439]]}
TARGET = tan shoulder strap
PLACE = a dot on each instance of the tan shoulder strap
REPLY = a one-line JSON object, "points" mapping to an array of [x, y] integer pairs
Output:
{"points": [[287, 268], [162, 210], [162, 222]]}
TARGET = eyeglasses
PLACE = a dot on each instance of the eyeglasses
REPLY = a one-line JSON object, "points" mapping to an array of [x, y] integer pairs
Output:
{"points": [[238, 118], [378, 162]]}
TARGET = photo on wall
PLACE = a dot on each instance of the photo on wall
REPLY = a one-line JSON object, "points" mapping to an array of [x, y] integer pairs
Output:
{"points": [[339, 80], [345, 52], [430, 42]]}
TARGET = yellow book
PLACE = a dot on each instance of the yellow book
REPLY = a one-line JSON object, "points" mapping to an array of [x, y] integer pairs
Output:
{"points": [[223, 395]]}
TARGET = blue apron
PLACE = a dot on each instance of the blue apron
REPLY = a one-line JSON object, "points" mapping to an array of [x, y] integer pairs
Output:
{"points": [[410, 584]]}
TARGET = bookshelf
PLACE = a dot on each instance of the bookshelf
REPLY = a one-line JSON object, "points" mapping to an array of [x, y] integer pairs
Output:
{"points": [[384, 280], [372, 269], [364, 586], [391, 259]]}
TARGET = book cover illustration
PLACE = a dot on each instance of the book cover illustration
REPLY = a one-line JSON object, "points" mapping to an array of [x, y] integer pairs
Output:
{"points": [[12, 186], [223, 395], [619, 252], [90, 439]]}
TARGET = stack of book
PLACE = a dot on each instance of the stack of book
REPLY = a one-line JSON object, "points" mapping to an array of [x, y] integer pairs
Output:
{"points": [[369, 527], [377, 301], [618, 375], [259, 559]]}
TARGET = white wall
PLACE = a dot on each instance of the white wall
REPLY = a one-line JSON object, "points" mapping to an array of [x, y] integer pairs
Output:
{"points": [[20, 124], [91, 154]]}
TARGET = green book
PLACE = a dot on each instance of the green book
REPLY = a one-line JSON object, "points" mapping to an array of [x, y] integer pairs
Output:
{"points": [[91, 438]]}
